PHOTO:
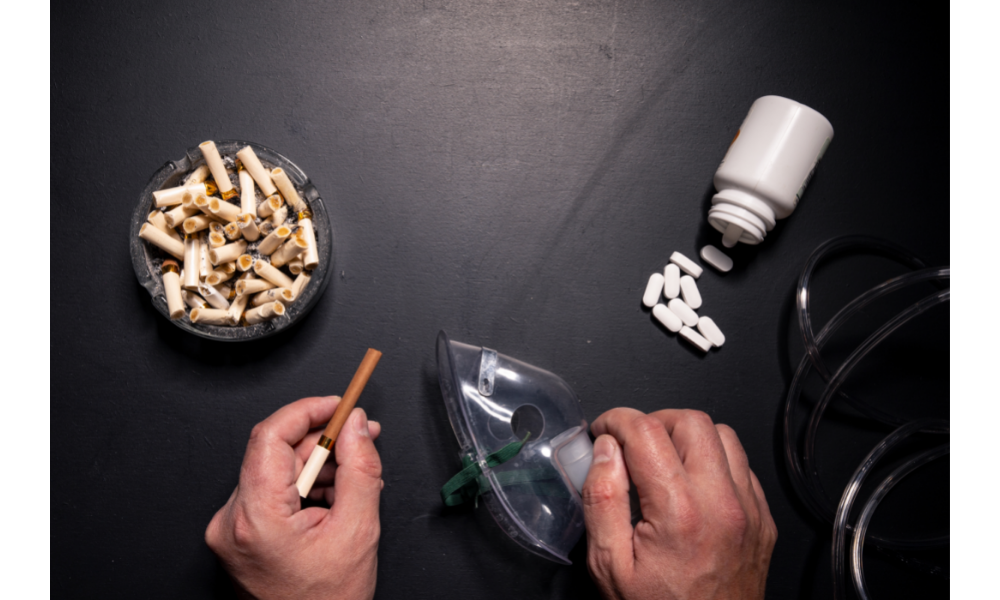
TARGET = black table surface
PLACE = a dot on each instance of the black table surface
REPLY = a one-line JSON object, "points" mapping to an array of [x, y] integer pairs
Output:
{"points": [[510, 172]]}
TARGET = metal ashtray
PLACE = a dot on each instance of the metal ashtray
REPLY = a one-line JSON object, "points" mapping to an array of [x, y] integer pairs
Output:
{"points": [[147, 258]]}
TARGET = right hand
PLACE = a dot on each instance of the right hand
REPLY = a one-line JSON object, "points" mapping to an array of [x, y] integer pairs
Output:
{"points": [[273, 549], [706, 531]]}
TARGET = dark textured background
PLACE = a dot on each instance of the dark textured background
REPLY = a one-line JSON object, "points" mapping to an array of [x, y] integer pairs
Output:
{"points": [[510, 172]]}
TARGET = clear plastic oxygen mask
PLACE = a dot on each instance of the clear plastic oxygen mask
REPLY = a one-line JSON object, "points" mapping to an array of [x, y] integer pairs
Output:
{"points": [[524, 444]]}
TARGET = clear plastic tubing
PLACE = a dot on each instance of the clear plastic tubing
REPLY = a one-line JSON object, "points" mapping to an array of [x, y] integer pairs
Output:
{"points": [[851, 492], [858, 542], [818, 502], [766, 169], [809, 489]]}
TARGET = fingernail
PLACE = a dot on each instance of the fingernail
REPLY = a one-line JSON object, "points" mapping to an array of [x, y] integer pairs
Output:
{"points": [[604, 450], [361, 424]]}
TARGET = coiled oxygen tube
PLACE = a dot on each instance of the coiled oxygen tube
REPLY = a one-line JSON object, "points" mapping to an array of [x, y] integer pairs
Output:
{"points": [[802, 468]]}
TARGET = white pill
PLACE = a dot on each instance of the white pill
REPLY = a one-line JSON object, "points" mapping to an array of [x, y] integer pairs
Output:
{"points": [[666, 316], [711, 331], [696, 340], [653, 290], [683, 311], [690, 293], [671, 281], [686, 264], [716, 258]]}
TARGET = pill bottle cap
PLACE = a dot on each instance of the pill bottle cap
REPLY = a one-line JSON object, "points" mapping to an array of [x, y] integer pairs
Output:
{"points": [[493, 400], [741, 217]]}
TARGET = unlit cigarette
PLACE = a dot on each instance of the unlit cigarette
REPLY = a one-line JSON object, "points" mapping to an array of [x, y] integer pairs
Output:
{"points": [[213, 297], [197, 176], [160, 222], [300, 284], [289, 250], [224, 210], [267, 207], [286, 188], [257, 170], [271, 242], [172, 288], [310, 259], [248, 287], [248, 227], [248, 198], [210, 316], [264, 313], [316, 460], [227, 253], [283, 295], [265, 270], [163, 241], [215, 164], [192, 258]]}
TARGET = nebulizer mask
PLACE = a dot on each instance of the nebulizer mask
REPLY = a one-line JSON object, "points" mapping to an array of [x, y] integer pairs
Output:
{"points": [[523, 442]]}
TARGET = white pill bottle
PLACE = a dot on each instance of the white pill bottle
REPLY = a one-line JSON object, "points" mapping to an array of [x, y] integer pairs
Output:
{"points": [[766, 169]]}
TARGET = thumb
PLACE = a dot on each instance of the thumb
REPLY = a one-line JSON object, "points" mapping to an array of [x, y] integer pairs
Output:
{"points": [[606, 512], [358, 481]]}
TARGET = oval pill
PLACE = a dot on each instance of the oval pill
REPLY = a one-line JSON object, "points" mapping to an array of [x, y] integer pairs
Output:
{"points": [[695, 339], [671, 281], [686, 264], [716, 258], [653, 288], [666, 316], [690, 293], [711, 331], [688, 316]]}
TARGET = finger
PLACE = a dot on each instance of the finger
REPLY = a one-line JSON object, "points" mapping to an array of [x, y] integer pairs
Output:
{"points": [[739, 465], [359, 472], [269, 465], [650, 457], [765, 510], [696, 439], [606, 512], [304, 448]]}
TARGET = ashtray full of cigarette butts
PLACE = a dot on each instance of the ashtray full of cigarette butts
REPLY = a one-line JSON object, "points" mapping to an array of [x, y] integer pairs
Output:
{"points": [[232, 241]]}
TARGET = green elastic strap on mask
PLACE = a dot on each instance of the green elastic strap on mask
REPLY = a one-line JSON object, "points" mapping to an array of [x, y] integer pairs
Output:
{"points": [[469, 483]]}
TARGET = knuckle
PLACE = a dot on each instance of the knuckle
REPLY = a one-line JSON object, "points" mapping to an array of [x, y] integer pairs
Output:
{"points": [[648, 425], [733, 517], [245, 535], [258, 432], [697, 417], [598, 494], [213, 535], [726, 431], [688, 519], [368, 465]]}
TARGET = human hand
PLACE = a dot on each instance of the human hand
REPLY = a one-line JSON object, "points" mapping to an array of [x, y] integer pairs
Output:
{"points": [[706, 531], [274, 550]]}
